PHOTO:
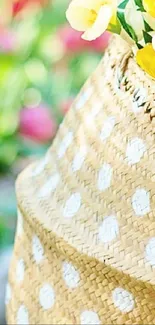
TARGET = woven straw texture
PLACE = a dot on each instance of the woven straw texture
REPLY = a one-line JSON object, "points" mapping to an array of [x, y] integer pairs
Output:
{"points": [[85, 243]]}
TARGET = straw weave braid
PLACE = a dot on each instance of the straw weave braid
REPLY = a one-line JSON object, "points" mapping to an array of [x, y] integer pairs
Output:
{"points": [[85, 242]]}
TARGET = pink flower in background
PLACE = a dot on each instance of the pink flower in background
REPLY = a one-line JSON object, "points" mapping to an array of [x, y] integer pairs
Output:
{"points": [[100, 44], [37, 124], [73, 42], [7, 40], [71, 39]]}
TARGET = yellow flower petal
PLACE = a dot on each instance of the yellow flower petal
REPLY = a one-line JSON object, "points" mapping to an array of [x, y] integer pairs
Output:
{"points": [[79, 17], [149, 6], [100, 25], [90, 4], [153, 42], [92, 16], [146, 59]]}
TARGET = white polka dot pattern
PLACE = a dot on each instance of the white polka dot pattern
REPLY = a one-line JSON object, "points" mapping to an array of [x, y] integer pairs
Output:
{"points": [[96, 108], [8, 294], [65, 144], [40, 166], [49, 186], [108, 230], [78, 160], [20, 270], [37, 250], [123, 300], [88, 241], [72, 205], [22, 316], [89, 317], [141, 202], [71, 275], [104, 177], [89, 122], [84, 98], [107, 128], [46, 296], [150, 252], [135, 150]]}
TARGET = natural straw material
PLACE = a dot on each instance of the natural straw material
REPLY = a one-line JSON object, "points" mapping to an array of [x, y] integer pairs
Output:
{"points": [[85, 243]]}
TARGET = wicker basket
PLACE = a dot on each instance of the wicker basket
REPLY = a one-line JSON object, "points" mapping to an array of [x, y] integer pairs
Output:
{"points": [[85, 243]]}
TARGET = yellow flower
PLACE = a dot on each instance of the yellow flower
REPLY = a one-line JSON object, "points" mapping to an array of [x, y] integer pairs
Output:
{"points": [[145, 57], [149, 6], [153, 42], [91, 16]]}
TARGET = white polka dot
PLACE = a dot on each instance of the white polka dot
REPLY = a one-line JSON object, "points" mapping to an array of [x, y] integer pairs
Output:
{"points": [[46, 296], [123, 300], [72, 205], [96, 108], [141, 202], [109, 229], [135, 151], [20, 270], [107, 128], [37, 250], [84, 98], [89, 119], [89, 122], [71, 275], [19, 224], [40, 166], [104, 177], [22, 316], [49, 186], [8, 294], [78, 160], [150, 252], [89, 317], [65, 144]]}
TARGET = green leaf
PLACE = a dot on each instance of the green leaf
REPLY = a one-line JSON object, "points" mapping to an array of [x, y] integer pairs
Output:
{"points": [[123, 4], [132, 33], [139, 3], [116, 29], [147, 27], [147, 37], [139, 46], [121, 16]]}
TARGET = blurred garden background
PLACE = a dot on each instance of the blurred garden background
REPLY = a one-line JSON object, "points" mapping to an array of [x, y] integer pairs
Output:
{"points": [[43, 64]]}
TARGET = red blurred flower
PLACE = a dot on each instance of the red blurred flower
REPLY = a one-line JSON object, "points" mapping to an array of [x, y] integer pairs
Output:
{"points": [[19, 5], [73, 42], [37, 124], [12, 8]]}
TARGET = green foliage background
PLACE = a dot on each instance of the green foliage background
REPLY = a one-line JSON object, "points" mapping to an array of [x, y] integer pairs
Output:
{"points": [[37, 71]]}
